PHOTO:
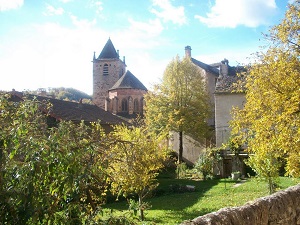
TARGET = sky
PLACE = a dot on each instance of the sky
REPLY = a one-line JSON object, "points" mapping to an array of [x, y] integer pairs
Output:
{"points": [[51, 43]]}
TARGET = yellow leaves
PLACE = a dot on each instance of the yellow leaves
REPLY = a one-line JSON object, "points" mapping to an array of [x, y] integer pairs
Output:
{"points": [[270, 120], [137, 156], [181, 101]]}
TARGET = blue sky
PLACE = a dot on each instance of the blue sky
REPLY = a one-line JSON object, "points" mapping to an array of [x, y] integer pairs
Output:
{"points": [[51, 43]]}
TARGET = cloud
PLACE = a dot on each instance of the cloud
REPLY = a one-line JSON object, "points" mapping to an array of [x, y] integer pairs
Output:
{"points": [[149, 29], [82, 23], [231, 13], [52, 56], [168, 12], [6, 5], [235, 56], [51, 11], [98, 6]]}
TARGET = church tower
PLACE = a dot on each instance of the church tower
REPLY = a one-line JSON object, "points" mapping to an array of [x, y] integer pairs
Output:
{"points": [[107, 70]]}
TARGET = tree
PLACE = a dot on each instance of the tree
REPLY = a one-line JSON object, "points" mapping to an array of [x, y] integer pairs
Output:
{"points": [[180, 103], [48, 175], [207, 161], [269, 123], [137, 156]]}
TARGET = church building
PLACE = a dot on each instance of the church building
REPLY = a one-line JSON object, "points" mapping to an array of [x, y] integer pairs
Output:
{"points": [[116, 89]]}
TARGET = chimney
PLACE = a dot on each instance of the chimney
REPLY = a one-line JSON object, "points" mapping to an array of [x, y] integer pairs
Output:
{"points": [[224, 67], [188, 51], [124, 59], [118, 52]]}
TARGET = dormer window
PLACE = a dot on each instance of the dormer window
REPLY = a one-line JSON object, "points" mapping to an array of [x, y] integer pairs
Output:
{"points": [[105, 69]]}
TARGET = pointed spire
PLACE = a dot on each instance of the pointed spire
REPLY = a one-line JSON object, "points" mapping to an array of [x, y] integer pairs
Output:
{"points": [[108, 51], [94, 56]]}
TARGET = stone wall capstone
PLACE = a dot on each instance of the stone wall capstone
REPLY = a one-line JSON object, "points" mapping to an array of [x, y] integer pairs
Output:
{"points": [[282, 208]]}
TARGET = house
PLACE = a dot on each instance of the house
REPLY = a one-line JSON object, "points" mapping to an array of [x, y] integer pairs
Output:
{"points": [[114, 89], [73, 111], [220, 79], [227, 98]]}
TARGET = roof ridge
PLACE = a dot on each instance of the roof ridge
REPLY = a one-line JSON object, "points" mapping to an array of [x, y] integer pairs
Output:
{"points": [[128, 80]]}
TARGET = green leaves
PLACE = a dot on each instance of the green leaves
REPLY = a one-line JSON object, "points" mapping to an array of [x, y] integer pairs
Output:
{"points": [[48, 172]]}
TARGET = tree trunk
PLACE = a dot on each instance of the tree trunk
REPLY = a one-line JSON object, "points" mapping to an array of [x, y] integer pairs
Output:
{"points": [[141, 208], [180, 151]]}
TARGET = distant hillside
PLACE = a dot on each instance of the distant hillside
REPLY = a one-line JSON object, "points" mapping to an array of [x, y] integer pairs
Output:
{"points": [[67, 94]]}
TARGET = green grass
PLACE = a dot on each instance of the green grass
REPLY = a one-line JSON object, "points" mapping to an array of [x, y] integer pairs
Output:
{"points": [[173, 208]]}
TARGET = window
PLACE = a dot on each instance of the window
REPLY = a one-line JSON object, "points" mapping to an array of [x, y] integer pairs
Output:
{"points": [[124, 105], [135, 105], [105, 70], [142, 104]]}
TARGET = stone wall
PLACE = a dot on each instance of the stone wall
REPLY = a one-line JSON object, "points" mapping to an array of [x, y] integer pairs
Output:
{"points": [[191, 147], [224, 102], [280, 208]]}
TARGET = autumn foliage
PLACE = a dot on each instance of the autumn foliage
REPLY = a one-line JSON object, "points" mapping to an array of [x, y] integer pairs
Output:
{"points": [[269, 124]]}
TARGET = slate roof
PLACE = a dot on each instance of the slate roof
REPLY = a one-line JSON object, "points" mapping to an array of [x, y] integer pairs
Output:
{"points": [[108, 51], [128, 81], [206, 67], [74, 111]]}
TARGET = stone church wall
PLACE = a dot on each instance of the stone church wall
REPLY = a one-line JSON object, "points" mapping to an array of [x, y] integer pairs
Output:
{"points": [[280, 208], [102, 83]]}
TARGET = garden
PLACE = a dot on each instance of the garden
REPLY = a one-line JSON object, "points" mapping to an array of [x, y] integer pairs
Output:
{"points": [[171, 203]]}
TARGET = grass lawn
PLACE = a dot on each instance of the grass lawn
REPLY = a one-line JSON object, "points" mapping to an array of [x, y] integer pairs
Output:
{"points": [[169, 207]]}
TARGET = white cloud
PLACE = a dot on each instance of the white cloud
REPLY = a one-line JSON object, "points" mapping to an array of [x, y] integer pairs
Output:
{"points": [[141, 60], [168, 12], [98, 6], [146, 29], [50, 56], [10, 4], [231, 13], [51, 11], [234, 56], [53, 56], [82, 23]]}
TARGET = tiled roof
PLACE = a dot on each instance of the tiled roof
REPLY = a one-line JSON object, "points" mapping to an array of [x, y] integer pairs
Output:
{"points": [[225, 84], [206, 67], [74, 111], [128, 81], [108, 51], [231, 82]]}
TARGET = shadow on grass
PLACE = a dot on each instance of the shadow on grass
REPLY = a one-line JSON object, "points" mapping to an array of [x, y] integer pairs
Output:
{"points": [[180, 205], [169, 205], [177, 201]]}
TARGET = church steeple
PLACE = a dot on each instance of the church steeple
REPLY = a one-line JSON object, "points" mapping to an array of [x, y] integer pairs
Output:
{"points": [[107, 70], [108, 51]]}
